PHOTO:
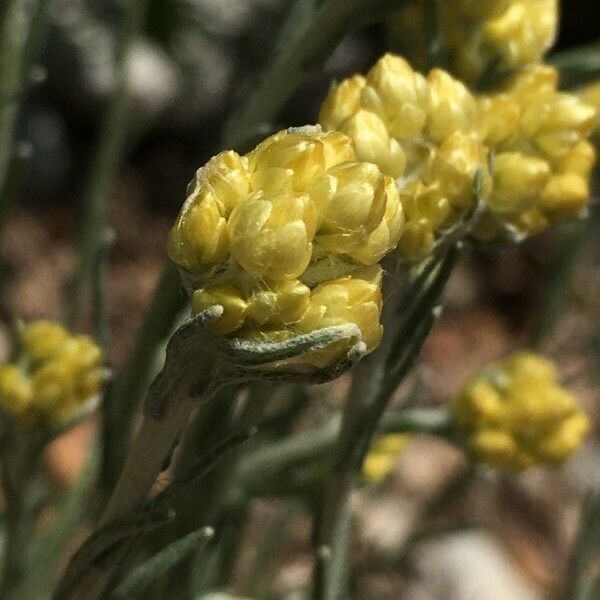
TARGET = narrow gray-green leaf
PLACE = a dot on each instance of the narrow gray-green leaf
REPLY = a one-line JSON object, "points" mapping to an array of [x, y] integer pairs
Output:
{"points": [[160, 564]]}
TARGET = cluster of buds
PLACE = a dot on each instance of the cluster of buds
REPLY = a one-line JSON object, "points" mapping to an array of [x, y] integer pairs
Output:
{"points": [[515, 414], [287, 239], [382, 456], [506, 33], [422, 131], [542, 156], [55, 376]]}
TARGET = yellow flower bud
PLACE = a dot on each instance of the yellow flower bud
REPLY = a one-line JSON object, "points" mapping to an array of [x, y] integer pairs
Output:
{"points": [[355, 299], [43, 339], [300, 215], [498, 118], [59, 373], [417, 239], [350, 199], [524, 32], [229, 297], [556, 122], [402, 93], [199, 238], [386, 235], [342, 102], [382, 456], [454, 167], [452, 108], [15, 390], [580, 160], [272, 237], [515, 414], [511, 33], [591, 96], [564, 196], [373, 142], [518, 182]]}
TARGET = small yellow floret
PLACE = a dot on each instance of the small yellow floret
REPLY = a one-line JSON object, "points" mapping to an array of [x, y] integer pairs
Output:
{"points": [[382, 456]]}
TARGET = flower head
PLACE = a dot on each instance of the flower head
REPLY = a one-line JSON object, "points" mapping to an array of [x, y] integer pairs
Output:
{"points": [[543, 157], [55, 376], [422, 131], [515, 414], [288, 230]]}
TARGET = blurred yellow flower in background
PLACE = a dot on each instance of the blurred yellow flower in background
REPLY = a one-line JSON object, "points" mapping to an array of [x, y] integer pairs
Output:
{"points": [[287, 238], [507, 33], [542, 155], [382, 456], [515, 414], [56, 374]]}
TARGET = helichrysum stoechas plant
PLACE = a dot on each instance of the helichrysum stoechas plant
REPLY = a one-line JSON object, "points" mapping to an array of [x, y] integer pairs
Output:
{"points": [[515, 414], [382, 456], [287, 238], [542, 156], [420, 131], [55, 375], [507, 33]]}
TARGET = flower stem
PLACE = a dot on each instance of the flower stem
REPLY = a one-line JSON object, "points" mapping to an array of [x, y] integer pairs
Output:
{"points": [[124, 398], [19, 460], [106, 161], [317, 36], [13, 36], [176, 390], [374, 380]]}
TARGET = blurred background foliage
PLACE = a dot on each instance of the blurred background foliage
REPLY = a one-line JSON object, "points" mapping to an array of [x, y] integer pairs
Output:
{"points": [[117, 137]]}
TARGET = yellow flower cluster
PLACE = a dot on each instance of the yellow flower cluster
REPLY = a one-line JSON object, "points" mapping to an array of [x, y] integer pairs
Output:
{"points": [[420, 131], [55, 375], [432, 135], [511, 33], [380, 460], [515, 414], [542, 156], [287, 238]]}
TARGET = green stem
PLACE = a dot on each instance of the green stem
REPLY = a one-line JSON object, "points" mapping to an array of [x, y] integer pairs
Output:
{"points": [[106, 161], [20, 457], [14, 179], [176, 390], [585, 548], [374, 380], [269, 463], [571, 244], [152, 446], [13, 36], [124, 398], [267, 550], [71, 512], [317, 36]]}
